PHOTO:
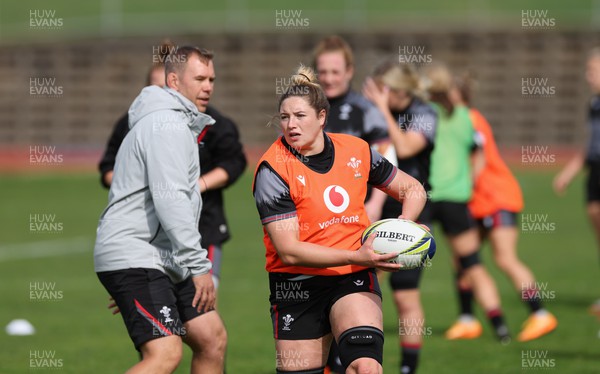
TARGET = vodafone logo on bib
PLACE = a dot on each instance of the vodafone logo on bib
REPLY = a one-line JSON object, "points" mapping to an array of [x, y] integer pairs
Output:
{"points": [[336, 198]]}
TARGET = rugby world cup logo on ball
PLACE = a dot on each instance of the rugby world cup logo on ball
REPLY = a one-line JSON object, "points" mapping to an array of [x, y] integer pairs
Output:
{"points": [[411, 241]]}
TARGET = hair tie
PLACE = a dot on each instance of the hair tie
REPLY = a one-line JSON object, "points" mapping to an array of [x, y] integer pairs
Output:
{"points": [[305, 76]]}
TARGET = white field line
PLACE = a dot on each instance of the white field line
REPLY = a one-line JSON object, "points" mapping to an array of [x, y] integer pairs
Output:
{"points": [[47, 248]]}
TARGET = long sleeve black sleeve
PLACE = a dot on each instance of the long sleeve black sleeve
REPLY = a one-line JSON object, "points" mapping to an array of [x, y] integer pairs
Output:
{"points": [[107, 163], [226, 150], [221, 147]]}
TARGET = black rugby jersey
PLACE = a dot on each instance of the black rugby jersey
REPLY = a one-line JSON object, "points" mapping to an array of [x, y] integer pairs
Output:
{"points": [[593, 151], [352, 114]]}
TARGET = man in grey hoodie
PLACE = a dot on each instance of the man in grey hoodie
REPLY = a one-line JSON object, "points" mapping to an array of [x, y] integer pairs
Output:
{"points": [[147, 253]]}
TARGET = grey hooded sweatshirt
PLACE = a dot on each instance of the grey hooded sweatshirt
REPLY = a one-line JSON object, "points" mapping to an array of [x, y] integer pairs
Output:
{"points": [[154, 202]]}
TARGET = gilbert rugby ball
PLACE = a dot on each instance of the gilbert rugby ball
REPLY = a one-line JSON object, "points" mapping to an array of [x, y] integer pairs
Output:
{"points": [[413, 243]]}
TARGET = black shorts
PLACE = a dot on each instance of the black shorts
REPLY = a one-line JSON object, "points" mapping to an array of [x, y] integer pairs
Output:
{"points": [[406, 279], [455, 218], [393, 210], [500, 218], [592, 187], [300, 304], [152, 306]]}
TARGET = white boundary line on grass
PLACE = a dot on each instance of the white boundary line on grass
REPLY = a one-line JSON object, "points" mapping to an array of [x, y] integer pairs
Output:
{"points": [[47, 248]]}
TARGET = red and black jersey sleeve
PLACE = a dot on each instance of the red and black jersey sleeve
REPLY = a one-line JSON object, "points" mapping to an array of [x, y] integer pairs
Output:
{"points": [[382, 172]]}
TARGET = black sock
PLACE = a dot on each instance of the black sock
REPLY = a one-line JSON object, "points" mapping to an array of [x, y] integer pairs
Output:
{"points": [[497, 321], [530, 297], [534, 304], [466, 301], [465, 297], [410, 358]]}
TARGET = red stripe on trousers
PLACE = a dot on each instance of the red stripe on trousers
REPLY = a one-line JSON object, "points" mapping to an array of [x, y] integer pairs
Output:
{"points": [[151, 317], [210, 255]]}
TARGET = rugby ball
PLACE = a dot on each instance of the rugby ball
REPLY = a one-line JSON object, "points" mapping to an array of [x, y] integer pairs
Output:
{"points": [[414, 245]]}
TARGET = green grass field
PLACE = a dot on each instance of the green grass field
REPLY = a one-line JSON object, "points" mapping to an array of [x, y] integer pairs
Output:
{"points": [[109, 18], [79, 330]]}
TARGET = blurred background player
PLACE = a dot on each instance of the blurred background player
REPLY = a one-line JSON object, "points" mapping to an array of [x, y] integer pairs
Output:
{"points": [[451, 189], [591, 158], [411, 126], [222, 162], [496, 201], [350, 113], [326, 262]]}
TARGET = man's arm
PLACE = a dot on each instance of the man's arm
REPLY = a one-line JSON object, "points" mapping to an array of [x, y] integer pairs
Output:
{"points": [[228, 153], [107, 163]]}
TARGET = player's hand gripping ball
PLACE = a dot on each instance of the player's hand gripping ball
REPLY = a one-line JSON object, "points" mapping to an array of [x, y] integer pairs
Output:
{"points": [[413, 243]]}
